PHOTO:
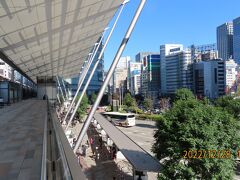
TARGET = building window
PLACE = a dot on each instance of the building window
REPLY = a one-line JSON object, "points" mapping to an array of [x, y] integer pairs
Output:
{"points": [[215, 75]]}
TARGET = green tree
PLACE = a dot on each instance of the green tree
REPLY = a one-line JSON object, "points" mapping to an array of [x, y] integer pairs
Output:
{"points": [[83, 106], [229, 104], [238, 90], [129, 101], [183, 94], [148, 103], [93, 98], [193, 125]]}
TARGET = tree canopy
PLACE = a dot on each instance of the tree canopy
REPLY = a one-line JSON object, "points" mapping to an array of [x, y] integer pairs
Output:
{"points": [[229, 104], [183, 94], [93, 98], [148, 103], [129, 101], [194, 125], [83, 106]]}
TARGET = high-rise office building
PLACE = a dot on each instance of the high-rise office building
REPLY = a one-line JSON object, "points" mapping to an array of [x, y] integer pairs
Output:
{"points": [[225, 40], [209, 78], [134, 77], [96, 81], [236, 40], [123, 62], [120, 74], [231, 76], [150, 84], [139, 58], [204, 52], [178, 71], [166, 50]]}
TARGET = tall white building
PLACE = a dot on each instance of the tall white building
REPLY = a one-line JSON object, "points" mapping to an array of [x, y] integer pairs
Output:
{"points": [[134, 77], [120, 74], [230, 75], [225, 40], [6, 72], [178, 71], [236, 40], [123, 62], [166, 50]]}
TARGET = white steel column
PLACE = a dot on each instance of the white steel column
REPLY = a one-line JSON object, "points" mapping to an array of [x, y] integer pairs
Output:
{"points": [[58, 99], [59, 85], [64, 87], [95, 66], [109, 75]]}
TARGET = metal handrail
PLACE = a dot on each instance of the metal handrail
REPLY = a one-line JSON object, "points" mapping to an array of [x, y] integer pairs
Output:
{"points": [[67, 172], [71, 168], [44, 151]]}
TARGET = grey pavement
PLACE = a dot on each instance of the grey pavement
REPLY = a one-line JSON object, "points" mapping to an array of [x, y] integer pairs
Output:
{"points": [[21, 136], [142, 134]]}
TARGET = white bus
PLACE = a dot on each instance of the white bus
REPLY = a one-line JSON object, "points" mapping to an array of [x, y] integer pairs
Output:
{"points": [[121, 119]]}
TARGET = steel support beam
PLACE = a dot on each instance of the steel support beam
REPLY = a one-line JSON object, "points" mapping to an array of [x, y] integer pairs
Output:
{"points": [[64, 87], [58, 99], [59, 85], [94, 68], [109, 75]]}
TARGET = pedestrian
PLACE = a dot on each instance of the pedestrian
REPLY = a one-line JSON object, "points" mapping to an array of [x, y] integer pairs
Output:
{"points": [[74, 142], [100, 142], [83, 150], [91, 141], [114, 151], [78, 157]]}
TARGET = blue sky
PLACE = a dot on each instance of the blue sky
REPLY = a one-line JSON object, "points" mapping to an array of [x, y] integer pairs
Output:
{"points": [[171, 21]]}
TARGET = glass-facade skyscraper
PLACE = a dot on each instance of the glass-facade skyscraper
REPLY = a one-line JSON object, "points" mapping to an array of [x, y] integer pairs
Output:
{"points": [[97, 79], [225, 40], [150, 84], [236, 40]]}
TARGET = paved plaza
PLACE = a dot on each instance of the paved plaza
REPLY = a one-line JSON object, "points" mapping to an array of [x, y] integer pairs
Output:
{"points": [[21, 138]]}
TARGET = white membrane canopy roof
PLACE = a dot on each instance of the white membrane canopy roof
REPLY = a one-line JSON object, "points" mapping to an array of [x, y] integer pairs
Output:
{"points": [[52, 37]]}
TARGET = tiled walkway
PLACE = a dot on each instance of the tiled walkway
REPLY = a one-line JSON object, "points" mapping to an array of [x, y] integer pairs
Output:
{"points": [[21, 136]]}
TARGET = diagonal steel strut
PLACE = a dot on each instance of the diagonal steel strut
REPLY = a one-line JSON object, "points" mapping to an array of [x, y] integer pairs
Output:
{"points": [[109, 75]]}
